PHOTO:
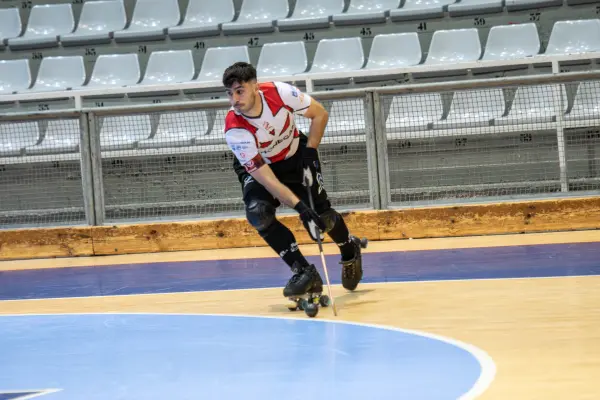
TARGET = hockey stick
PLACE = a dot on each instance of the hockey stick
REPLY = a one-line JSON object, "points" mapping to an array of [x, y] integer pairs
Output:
{"points": [[317, 233]]}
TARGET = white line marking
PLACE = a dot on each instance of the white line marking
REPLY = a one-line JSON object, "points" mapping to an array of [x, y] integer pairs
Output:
{"points": [[488, 367]]}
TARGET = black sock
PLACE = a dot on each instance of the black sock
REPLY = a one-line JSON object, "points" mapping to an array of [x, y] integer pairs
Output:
{"points": [[282, 240], [341, 236]]}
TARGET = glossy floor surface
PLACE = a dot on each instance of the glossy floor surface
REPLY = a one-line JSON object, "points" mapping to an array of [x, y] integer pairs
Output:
{"points": [[492, 317]]}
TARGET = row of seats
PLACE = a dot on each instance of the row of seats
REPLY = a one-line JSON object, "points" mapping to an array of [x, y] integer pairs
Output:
{"points": [[102, 20], [289, 58], [409, 116]]}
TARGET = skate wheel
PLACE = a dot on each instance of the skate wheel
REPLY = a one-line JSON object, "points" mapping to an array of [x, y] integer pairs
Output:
{"points": [[303, 304], [293, 308], [364, 242], [311, 310], [324, 300]]}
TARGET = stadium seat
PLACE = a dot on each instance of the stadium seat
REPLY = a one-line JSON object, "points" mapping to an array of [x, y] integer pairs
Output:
{"points": [[59, 73], [217, 59], [115, 70], [419, 10], [15, 76], [257, 16], [97, 24], [394, 50], [346, 117], [586, 104], [414, 112], [217, 133], [471, 108], [338, 55], [311, 14], [16, 136], [282, 59], [518, 5], [177, 129], [508, 42], [366, 12], [203, 18], [171, 66], [124, 131], [454, 46], [150, 21], [569, 37], [578, 2], [474, 7], [46, 23], [533, 104], [62, 136], [10, 25]]}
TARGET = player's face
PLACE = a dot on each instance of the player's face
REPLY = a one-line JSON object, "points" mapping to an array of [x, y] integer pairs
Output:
{"points": [[242, 96]]}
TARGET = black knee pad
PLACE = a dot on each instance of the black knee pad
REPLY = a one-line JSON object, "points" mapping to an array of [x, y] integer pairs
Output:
{"points": [[260, 215], [330, 218]]}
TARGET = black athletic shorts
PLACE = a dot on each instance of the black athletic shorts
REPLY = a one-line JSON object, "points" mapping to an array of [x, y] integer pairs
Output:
{"points": [[290, 173]]}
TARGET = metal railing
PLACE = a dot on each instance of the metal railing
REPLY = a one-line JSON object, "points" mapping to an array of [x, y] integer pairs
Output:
{"points": [[408, 145]]}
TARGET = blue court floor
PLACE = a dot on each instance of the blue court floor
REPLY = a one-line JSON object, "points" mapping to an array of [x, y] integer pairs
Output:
{"points": [[189, 356]]}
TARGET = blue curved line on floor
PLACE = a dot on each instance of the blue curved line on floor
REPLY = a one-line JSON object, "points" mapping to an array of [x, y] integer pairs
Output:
{"points": [[141, 356], [168, 277]]}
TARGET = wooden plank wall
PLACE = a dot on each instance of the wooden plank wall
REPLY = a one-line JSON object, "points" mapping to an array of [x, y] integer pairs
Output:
{"points": [[463, 220]]}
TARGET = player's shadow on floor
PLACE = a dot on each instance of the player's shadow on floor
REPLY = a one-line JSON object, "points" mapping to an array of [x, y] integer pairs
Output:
{"points": [[348, 298]]}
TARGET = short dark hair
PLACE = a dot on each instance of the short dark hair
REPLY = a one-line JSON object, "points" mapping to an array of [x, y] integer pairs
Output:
{"points": [[240, 72]]}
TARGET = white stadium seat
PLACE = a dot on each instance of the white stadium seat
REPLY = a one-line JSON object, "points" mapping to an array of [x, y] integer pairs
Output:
{"points": [[115, 70], [414, 112], [16, 136], [420, 10], [258, 16], [15, 76], [216, 59], [59, 73], [366, 12], [394, 50], [533, 104], [311, 14], [62, 136], [177, 129], [509, 42], [474, 7], [471, 108], [570, 37], [454, 46], [171, 66], [123, 132], [46, 23], [97, 24], [586, 104], [204, 18], [10, 25], [281, 59], [338, 55], [150, 21]]}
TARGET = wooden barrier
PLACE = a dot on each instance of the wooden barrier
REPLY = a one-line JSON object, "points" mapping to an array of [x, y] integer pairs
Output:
{"points": [[452, 221]]}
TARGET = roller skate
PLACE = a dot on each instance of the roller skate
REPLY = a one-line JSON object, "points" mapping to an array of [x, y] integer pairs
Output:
{"points": [[305, 290], [352, 271]]}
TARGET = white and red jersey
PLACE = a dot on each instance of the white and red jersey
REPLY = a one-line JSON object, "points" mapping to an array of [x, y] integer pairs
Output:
{"points": [[272, 136]]}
